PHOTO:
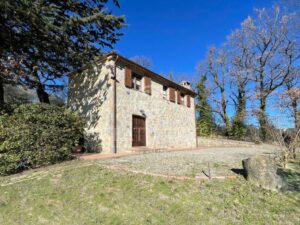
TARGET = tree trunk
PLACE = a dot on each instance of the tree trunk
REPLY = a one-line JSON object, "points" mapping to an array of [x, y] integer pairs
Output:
{"points": [[262, 117], [228, 125], [238, 124], [42, 94], [40, 89], [1, 92], [224, 111], [296, 113], [241, 101], [297, 123]]}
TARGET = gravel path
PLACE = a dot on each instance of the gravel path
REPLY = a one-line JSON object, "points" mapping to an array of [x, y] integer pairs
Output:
{"points": [[219, 161]]}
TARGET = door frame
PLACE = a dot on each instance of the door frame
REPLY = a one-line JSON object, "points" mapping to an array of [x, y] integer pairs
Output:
{"points": [[145, 141]]}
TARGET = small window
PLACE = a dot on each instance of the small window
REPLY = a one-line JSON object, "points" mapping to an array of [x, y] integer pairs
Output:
{"points": [[165, 89], [182, 96], [136, 82]]}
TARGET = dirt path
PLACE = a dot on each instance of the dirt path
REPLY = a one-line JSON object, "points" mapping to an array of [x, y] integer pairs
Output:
{"points": [[218, 161]]}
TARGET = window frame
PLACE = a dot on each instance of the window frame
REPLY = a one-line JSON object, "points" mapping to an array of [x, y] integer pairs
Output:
{"points": [[165, 92], [137, 77], [182, 99]]}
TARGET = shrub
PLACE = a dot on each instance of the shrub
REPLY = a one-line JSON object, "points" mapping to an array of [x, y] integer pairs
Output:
{"points": [[34, 135], [6, 108]]}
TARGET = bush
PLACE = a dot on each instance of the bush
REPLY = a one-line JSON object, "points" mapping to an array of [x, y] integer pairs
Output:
{"points": [[34, 135], [6, 108]]}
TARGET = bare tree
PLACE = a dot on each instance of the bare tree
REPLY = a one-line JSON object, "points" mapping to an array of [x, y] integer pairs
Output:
{"points": [[170, 75], [258, 61], [240, 71], [274, 55], [290, 101], [293, 6], [143, 61], [216, 70]]}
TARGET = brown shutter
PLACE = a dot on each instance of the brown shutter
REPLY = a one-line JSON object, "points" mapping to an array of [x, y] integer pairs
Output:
{"points": [[147, 83], [178, 98], [128, 77], [172, 94], [188, 101]]}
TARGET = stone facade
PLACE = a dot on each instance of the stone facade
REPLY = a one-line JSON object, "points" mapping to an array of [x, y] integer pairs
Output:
{"points": [[168, 124], [90, 95]]}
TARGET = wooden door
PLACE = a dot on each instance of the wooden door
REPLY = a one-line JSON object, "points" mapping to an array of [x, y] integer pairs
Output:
{"points": [[138, 131]]}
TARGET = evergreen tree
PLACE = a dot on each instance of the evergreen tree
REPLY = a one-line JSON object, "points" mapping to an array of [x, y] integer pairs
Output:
{"points": [[239, 127], [42, 40], [239, 98], [205, 120]]}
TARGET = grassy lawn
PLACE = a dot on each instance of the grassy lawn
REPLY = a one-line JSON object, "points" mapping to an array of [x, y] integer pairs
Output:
{"points": [[85, 192]]}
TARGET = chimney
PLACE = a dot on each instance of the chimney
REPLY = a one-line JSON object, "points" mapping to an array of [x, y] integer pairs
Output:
{"points": [[185, 84]]}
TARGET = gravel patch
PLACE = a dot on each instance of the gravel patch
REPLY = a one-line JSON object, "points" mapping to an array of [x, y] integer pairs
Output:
{"points": [[218, 161]]}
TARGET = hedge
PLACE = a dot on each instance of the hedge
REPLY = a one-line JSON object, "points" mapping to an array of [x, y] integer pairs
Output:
{"points": [[34, 135]]}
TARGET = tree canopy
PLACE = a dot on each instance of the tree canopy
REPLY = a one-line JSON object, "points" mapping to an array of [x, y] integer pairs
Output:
{"points": [[42, 40]]}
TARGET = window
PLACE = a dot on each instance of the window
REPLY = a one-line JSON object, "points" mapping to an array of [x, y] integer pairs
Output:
{"points": [[136, 82], [182, 96], [165, 89]]}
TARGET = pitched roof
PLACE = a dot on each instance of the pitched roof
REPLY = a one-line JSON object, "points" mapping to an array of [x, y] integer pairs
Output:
{"points": [[144, 71]]}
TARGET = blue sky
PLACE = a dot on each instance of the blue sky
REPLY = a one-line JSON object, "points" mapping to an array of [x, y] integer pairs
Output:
{"points": [[175, 34]]}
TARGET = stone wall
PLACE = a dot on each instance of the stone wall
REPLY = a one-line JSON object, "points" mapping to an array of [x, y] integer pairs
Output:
{"points": [[90, 95], [168, 125], [222, 142]]}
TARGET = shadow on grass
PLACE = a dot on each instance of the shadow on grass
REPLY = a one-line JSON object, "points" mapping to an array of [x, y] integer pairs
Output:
{"points": [[291, 177], [239, 171]]}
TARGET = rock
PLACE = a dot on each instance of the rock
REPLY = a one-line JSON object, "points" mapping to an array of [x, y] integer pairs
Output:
{"points": [[262, 171]]}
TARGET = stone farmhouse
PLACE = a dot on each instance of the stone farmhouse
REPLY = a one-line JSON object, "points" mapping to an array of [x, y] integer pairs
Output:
{"points": [[126, 107]]}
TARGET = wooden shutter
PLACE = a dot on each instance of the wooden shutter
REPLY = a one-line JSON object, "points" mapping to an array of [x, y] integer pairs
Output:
{"points": [[147, 83], [128, 77], [172, 94], [188, 101], [178, 98]]}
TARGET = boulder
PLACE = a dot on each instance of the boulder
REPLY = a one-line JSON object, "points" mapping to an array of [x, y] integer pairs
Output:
{"points": [[262, 171]]}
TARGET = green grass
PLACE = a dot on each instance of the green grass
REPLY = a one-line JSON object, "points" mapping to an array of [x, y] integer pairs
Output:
{"points": [[292, 175], [85, 192]]}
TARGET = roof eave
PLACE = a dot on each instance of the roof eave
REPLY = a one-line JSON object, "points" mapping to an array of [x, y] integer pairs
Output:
{"points": [[148, 72]]}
